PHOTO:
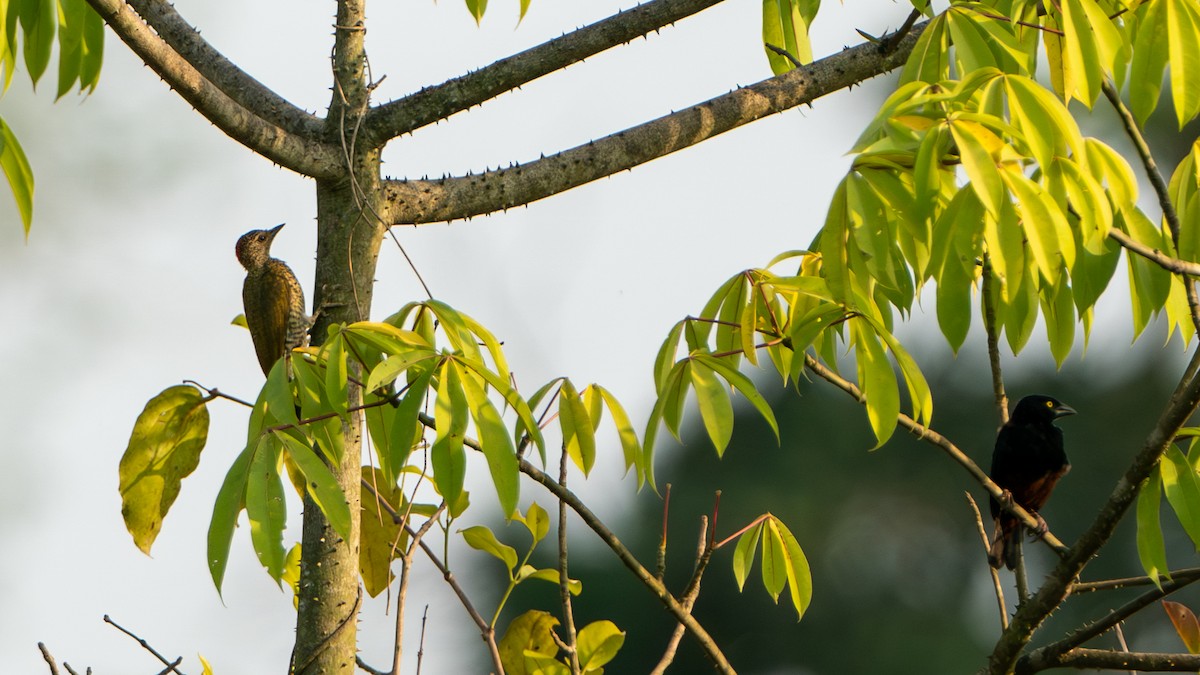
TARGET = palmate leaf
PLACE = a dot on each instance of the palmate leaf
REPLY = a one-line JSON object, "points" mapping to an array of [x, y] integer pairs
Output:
{"points": [[783, 564]]}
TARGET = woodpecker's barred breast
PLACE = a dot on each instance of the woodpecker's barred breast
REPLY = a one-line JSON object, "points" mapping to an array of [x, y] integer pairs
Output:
{"points": [[272, 299]]}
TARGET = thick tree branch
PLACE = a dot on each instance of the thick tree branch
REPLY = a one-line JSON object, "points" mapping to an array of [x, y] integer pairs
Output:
{"points": [[302, 155], [427, 201], [1085, 659], [432, 104], [246, 91], [1033, 612], [934, 438]]}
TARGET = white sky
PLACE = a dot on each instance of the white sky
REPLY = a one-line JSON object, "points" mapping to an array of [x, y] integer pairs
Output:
{"points": [[128, 283]]}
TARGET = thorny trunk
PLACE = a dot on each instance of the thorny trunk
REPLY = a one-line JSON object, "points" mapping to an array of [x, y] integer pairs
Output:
{"points": [[348, 240]]}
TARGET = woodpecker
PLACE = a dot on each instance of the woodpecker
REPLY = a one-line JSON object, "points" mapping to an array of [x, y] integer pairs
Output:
{"points": [[272, 298]]}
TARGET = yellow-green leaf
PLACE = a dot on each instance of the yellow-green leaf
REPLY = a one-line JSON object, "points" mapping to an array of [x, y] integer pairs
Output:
{"points": [[163, 449], [1152, 551]]}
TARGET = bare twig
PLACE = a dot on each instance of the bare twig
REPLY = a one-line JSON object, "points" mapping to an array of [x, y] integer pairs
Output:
{"points": [[49, 658], [1154, 255], [171, 665], [706, 642], [994, 572], [564, 582], [1191, 573], [661, 566], [704, 550]]}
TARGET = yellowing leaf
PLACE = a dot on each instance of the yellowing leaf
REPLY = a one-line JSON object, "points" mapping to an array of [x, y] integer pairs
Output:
{"points": [[163, 449], [1185, 624]]}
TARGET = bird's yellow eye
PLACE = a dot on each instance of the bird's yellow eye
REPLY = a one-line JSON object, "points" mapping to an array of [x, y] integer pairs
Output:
{"points": [[1049, 404]]}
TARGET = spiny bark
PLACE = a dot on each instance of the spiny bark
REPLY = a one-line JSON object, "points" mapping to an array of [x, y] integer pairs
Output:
{"points": [[348, 240]]}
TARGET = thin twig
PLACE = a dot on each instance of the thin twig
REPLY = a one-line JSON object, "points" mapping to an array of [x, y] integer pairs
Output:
{"points": [[1161, 189], [1154, 255], [1082, 587], [421, 644], [49, 658], [171, 665], [485, 631], [706, 642], [661, 566], [704, 551], [994, 572], [564, 582]]}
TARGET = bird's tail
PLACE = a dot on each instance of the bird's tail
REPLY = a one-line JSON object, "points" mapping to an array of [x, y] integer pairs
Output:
{"points": [[1003, 550]]}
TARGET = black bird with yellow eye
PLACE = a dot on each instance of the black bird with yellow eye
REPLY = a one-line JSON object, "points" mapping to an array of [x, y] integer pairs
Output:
{"points": [[1027, 462]]}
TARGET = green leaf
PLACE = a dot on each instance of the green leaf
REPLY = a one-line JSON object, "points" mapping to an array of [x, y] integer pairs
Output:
{"points": [[231, 499], [598, 643], [20, 176], [574, 586], [795, 567], [976, 143], [450, 414], [481, 538], [785, 27], [1183, 40], [743, 554], [1152, 551], [265, 507], [716, 411], [579, 435], [278, 391], [477, 8], [405, 425], [511, 397], [530, 633], [877, 381], [1044, 225], [336, 373], [630, 447], [918, 387], [1183, 493], [93, 50], [70, 43], [497, 446], [930, 57], [163, 449], [321, 484], [38, 22], [392, 367], [744, 385], [537, 521]]}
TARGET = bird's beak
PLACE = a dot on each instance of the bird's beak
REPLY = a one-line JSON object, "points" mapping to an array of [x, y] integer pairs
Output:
{"points": [[1062, 410], [275, 230]]}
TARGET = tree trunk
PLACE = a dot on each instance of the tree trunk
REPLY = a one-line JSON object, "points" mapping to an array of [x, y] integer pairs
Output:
{"points": [[349, 235]]}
